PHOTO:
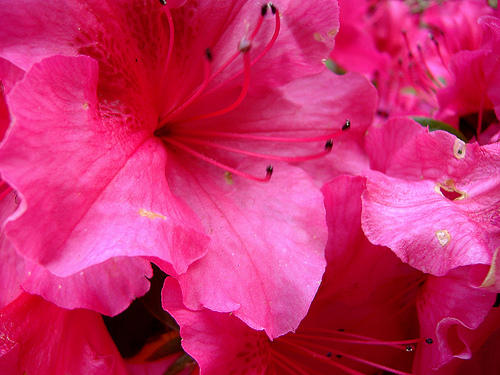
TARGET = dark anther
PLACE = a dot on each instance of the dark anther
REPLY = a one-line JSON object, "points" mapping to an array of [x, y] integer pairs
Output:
{"points": [[273, 8], [347, 125], [163, 2], [341, 330], [339, 356], [208, 54], [329, 144], [329, 354], [429, 341], [263, 10], [497, 301], [410, 348], [269, 169]]}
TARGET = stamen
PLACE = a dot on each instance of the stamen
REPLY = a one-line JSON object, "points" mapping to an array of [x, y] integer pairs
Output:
{"points": [[286, 340], [428, 71], [250, 137], [261, 55], [290, 159], [239, 100], [316, 335], [206, 64], [316, 356], [347, 125], [438, 49], [269, 169], [170, 43]]}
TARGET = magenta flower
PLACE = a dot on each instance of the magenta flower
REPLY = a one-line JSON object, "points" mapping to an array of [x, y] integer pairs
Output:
{"points": [[146, 147], [432, 199], [360, 309]]}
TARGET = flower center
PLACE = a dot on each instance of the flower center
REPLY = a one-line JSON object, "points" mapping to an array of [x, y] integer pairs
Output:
{"points": [[316, 349], [175, 130]]}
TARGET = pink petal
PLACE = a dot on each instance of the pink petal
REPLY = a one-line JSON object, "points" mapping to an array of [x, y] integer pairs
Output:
{"points": [[384, 141], [266, 255], [107, 287], [79, 171], [42, 338], [452, 312], [413, 215], [220, 343]]}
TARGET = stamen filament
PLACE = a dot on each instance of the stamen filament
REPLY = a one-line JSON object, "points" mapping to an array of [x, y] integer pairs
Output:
{"points": [[436, 82], [170, 44], [283, 361], [239, 100], [438, 49], [367, 341], [266, 50], [291, 159], [253, 137], [189, 150], [286, 340]]}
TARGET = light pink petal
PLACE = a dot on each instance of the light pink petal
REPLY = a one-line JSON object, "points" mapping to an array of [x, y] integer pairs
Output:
{"points": [[42, 338], [451, 312], [382, 142], [92, 187], [107, 287], [266, 255], [423, 228], [220, 343]]}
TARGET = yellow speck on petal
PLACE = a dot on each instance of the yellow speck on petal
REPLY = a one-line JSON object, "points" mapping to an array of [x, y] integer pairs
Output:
{"points": [[490, 278], [443, 237], [229, 178], [459, 149], [332, 32], [151, 215], [318, 37], [85, 105]]}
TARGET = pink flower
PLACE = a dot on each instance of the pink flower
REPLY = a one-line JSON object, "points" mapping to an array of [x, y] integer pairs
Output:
{"points": [[362, 298], [434, 199], [159, 94], [372, 313], [37, 337], [474, 88]]}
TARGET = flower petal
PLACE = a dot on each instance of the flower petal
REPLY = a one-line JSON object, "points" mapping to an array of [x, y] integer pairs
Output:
{"points": [[266, 255], [92, 187]]}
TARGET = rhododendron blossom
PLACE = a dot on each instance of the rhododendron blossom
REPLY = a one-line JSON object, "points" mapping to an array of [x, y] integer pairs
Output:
{"points": [[247, 187], [138, 132], [371, 313]]}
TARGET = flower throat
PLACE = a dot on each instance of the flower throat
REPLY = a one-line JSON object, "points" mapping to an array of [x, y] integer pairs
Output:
{"points": [[186, 139]]}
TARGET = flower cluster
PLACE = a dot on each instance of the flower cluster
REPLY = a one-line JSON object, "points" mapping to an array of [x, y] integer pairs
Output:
{"points": [[238, 187]]}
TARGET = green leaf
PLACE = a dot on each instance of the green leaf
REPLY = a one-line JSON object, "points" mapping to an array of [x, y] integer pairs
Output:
{"points": [[438, 125]]}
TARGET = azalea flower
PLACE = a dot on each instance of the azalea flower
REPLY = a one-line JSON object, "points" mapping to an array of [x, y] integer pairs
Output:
{"points": [[372, 313], [136, 131]]}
